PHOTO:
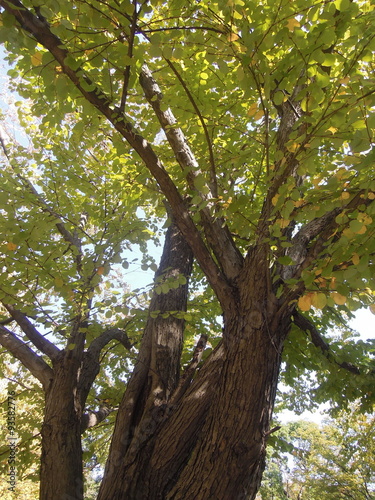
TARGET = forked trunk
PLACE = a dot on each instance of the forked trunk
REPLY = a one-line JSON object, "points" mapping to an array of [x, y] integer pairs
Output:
{"points": [[211, 443]]}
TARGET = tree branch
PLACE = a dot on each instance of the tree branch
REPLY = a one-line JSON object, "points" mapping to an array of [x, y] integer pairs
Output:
{"points": [[125, 86], [105, 337], [188, 374], [308, 327], [298, 251], [321, 227], [93, 418], [218, 235], [213, 178], [40, 342], [91, 364], [34, 363], [93, 94]]}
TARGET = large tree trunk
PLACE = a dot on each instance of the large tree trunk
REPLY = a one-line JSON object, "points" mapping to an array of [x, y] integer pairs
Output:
{"points": [[211, 442], [61, 474], [157, 371]]}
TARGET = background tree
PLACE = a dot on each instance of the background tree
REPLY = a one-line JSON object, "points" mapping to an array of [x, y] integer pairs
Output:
{"points": [[256, 123], [333, 461], [28, 402]]}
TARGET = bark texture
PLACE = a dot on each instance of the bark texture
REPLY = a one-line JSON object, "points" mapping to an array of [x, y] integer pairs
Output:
{"points": [[211, 443], [61, 475], [156, 374], [203, 439]]}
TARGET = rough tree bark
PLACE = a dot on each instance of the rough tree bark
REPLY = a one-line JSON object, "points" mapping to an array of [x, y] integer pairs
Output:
{"points": [[157, 372], [210, 443], [203, 437], [61, 473], [68, 380], [66, 384]]}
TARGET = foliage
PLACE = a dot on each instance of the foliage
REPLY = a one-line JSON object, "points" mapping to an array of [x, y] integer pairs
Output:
{"points": [[28, 403], [333, 461], [274, 103], [225, 72]]}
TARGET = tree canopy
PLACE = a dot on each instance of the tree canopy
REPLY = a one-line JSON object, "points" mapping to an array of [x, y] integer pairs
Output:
{"points": [[334, 460], [247, 125]]}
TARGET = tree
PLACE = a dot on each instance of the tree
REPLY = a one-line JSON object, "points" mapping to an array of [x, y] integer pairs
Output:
{"points": [[251, 125], [26, 457], [333, 461]]}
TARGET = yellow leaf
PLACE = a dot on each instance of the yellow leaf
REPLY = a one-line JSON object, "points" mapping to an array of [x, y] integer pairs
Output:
{"points": [[283, 223], [292, 23], [304, 302], [258, 115], [253, 109], [100, 270], [232, 37], [227, 203], [322, 283], [364, 218], [274, 199], [371, 196], [362, 230], [372, 308], [332, 129], [332, 285], [292, 147], [36, 59], [355, 259], [11, 246], [338, 298], [345, 195], [344, 80]]}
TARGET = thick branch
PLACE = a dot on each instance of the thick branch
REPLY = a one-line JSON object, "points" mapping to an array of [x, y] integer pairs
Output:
{"points": [[91, 364], [305, 325], [125, 85], [40, 342], [156, 372], [93, 418], [97, 98], [213, 177], [37, 366], [104, 338], [298, 252], [320, 228], [218, 235]]}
